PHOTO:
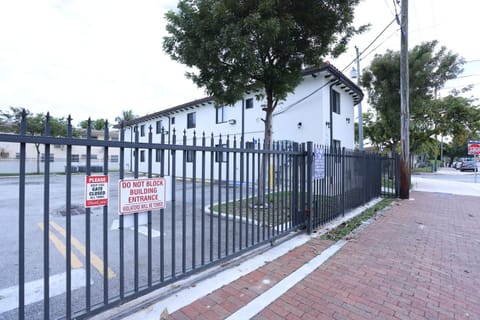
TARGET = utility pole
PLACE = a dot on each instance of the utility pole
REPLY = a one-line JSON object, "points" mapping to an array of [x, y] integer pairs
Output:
{"points": [[360, 116], [404, 105]]}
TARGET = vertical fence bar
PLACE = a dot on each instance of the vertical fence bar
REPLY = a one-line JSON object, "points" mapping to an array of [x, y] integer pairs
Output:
{"points": [[234, 209], [21, 220], [68, 217], [203, 201], [247, 194], [261, 183], [242, 156], [227, 177], [105, 222], [184, 203], [173, 232], [219, 201], [254, 200], [212, 153], [194, 201], [121, 239], [149, 212], [87, 223], [343, 163], [135, 216], [46, 230], [309, 185], [162, 211]]}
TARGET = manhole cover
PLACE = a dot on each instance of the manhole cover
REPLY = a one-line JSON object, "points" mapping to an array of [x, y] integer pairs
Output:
{"points": [[74, 210]]}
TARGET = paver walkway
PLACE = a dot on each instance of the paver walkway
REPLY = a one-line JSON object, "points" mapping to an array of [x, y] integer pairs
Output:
{"points": [[418, 260]]}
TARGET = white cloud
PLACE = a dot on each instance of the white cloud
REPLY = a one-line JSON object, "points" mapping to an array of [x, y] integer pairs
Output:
{"points": [[97, 58]]}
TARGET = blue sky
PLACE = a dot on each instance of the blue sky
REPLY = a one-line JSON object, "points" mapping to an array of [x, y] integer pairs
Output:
{"points": [[98, 57]]}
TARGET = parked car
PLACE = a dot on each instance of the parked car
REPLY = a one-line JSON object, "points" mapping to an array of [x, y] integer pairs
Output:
{"points": [[470, 165]]}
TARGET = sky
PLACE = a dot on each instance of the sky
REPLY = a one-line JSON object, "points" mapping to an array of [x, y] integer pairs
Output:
{"points": [[96, 58]]}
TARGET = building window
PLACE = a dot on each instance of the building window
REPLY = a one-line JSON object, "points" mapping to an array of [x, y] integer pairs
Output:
{"points": [[335, 101], [249, 103], [249, 145], [142, 155], [172, 120], [158, 126], [190, 155], [337, 146], [158, 155], [42, 157], [191, 120], [114, 158], [221, 156], [17, 155], [221, 115], [142, 130], [75, 158]]}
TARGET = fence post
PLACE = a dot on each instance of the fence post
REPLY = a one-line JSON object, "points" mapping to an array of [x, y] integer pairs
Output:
{"points": [[309, 186], [343, 159]]}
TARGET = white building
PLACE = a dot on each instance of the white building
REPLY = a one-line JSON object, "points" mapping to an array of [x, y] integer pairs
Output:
{"points": [[321, 110]]}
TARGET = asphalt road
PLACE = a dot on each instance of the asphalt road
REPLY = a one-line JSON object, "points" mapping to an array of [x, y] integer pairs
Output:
{"points": [[181, 251]]}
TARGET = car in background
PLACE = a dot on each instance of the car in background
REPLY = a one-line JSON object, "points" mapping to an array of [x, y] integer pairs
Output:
{"points": [[469, 165]]}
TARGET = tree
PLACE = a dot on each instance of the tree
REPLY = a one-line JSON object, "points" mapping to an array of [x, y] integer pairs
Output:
{"points": [[239, 46], [429, 70], [127, 115], [11, 120], [98, 124]]}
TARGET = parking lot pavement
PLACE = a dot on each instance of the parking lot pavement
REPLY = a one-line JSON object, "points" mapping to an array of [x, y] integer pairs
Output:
{"points": [[418, 259]]}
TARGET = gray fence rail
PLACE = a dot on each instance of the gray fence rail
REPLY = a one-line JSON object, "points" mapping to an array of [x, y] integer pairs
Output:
{"points": [[223, 197]]}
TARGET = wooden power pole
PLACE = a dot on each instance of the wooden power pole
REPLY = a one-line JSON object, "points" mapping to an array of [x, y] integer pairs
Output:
{"points": [[404, 105]]}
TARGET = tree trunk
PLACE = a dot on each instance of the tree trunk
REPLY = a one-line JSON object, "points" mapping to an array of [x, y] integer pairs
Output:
{"points": [[37, 146], [267, 142]]}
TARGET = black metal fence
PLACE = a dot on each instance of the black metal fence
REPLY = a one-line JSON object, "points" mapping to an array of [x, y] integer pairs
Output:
{"points": [[223, 197]]}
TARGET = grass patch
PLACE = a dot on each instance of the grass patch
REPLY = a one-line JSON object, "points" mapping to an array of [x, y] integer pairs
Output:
{"points": [[348, 226]]}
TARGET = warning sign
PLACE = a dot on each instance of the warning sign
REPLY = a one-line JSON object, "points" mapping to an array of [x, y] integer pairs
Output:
{"points": [[141, 195], [96, 191], [474, 147]]}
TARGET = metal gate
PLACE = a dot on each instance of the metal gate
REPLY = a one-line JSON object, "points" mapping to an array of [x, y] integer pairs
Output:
{"points": [[223, 197]]}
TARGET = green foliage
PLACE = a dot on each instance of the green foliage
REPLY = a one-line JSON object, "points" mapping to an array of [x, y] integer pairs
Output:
{"points": [[127, 115], [429, 69], [98, 124], [11, 119], [347, 227], [238, 46]]}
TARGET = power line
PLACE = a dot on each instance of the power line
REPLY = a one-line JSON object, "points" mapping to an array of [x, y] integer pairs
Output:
{"points": [[371, 43]]}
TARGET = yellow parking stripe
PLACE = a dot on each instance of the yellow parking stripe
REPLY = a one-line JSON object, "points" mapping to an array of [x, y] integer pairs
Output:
{"points": [[76, 263], [95, 260]]}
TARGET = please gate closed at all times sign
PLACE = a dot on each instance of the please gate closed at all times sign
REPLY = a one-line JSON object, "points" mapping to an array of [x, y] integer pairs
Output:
{"points": [[139, 195]]}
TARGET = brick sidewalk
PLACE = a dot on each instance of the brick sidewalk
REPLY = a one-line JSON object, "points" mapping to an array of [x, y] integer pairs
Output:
{"points": [[419, 260]]}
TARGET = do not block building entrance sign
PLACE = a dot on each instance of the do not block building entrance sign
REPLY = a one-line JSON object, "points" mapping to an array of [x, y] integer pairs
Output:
{"points": [[139, 195]]}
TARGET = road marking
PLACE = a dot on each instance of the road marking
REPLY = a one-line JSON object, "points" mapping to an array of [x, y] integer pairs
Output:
{"points": [[34, 289], [144, 230], [262, 301], [76, 263], [95, 260]]}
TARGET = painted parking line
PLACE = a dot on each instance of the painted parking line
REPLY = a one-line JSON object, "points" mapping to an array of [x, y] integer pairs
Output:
{"points": [[34, 289], [95, 260], [76, 263]]}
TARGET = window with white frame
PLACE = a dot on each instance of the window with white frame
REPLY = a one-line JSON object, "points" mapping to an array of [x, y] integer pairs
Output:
{"points": [[249, 103], [158, 126], [335, 101], [142, 155], [221, 114], [142, 130], [190, 155], [191, 120]]}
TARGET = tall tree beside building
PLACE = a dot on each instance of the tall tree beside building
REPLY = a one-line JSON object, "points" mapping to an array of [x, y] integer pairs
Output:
{"points": [[429, 69], [239, 46]]}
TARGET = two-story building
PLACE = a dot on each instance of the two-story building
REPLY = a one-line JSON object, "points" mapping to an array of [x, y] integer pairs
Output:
{"points": [[321, 110]]}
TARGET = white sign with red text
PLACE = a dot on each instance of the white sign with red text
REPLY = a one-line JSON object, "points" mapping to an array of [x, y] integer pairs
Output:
{"points": [[474, 148], [96, 191], [139, 195]]}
